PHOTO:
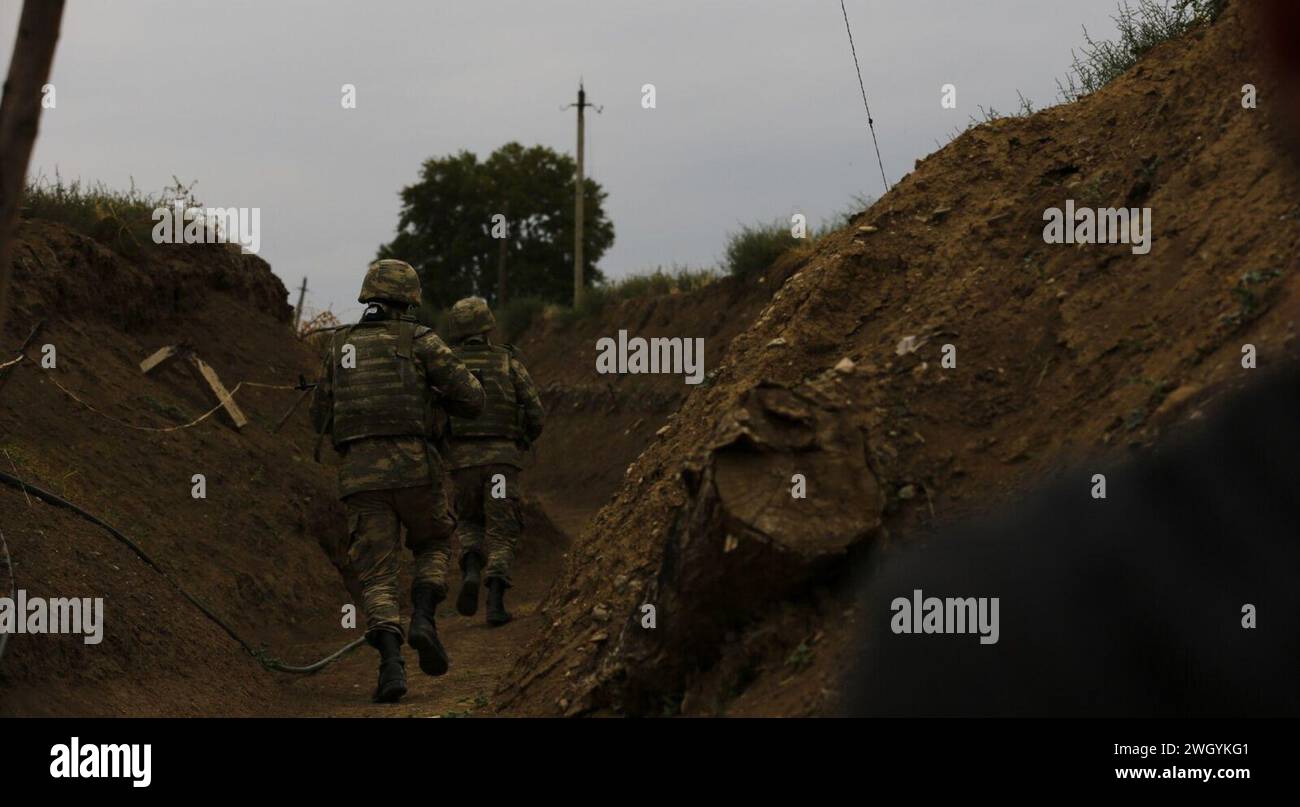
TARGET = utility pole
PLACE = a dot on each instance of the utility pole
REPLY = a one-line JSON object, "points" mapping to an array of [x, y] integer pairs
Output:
{"points": [[297, 311], [578, 287]]}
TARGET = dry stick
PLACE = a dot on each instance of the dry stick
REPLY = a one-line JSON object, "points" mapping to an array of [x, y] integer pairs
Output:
{"points": [[5, 370], [20, 114], [15, 467], [1043, 374], [297, 402], [260, 656]]}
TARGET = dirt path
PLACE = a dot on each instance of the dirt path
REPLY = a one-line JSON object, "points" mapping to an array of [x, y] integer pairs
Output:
{"points": [[480, 656]]}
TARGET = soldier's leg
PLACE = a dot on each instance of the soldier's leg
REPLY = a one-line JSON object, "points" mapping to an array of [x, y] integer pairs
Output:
{"points": [[429, 526], [502, 521], [503, 524], [468, 499], [469, 531], [373, 546], [374, 543]]}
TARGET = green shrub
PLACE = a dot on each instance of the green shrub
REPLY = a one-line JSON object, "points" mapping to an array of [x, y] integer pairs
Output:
{"points": [[679, 279], [756, 247], [1141, 28], [121, 220]]}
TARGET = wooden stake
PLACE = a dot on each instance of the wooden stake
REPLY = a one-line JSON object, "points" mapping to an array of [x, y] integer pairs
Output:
{"points": [[162, 355], [223, 397]]}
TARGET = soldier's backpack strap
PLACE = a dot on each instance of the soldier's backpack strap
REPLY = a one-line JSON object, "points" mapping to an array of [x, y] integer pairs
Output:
{"points": [[405, 337]]}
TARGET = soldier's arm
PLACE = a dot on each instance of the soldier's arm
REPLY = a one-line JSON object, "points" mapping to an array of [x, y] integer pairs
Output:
{"points": [[526, 393], [460, 394]]}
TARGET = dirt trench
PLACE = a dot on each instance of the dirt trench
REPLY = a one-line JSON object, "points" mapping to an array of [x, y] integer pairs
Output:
{"points": [[1065, 354], [258, 548]]}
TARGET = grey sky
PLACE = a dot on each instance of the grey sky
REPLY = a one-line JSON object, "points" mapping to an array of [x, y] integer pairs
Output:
{"points": [[759, 114]]}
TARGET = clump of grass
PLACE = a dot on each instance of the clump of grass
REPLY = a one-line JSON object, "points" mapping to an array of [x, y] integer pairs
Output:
{"points": [[756, 247], [1141, 28], [677, 280], [1024, 108], [121, 220]]}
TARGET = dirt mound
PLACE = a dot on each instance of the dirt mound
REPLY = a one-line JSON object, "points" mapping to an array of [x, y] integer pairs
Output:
{"points": [[250, 548], [597, 424], [1063, 354]]}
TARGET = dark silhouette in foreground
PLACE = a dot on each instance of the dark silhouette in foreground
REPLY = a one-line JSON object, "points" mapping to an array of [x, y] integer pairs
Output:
{"points": [[1128, 605]]}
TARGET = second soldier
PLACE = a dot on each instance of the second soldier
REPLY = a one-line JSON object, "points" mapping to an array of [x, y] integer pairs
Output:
{"points": [[485, 456]]}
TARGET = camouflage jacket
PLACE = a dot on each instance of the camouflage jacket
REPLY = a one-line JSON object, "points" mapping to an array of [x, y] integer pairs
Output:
{"points": [[382, 463], [470, 452]]}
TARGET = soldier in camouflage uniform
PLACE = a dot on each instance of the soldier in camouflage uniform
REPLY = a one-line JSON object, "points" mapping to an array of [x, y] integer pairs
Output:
{"points": [[485, 457], [384, 381]]}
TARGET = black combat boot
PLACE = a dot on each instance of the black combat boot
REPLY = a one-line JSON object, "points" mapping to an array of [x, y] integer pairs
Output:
{"points": [[497, 614], [467, 600], [424, 633], [392, 670]]}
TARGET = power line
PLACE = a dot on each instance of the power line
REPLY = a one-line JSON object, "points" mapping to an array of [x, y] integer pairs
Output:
{"points": [[871, 124]]}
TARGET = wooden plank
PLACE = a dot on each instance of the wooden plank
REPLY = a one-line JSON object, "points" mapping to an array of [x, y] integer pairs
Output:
{"points": [[209, 375], [158, 357]]}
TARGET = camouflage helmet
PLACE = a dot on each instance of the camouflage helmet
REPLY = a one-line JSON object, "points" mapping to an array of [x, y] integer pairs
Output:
{"points": [[390, 281], [469, 317]]}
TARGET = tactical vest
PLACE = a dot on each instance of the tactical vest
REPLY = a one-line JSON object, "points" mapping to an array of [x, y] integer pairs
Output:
{"points": [[490, 364], [386, 393]]}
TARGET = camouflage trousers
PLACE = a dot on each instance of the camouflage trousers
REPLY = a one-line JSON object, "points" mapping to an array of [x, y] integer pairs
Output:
{"points": [[375, 520], [486, 524]]}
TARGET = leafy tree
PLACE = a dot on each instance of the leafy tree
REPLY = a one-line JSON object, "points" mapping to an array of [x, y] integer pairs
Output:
{"points": [[445, 226]]}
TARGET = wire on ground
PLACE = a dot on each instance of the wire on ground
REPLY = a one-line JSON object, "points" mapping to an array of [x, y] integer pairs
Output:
{"points": [[258, 654]]}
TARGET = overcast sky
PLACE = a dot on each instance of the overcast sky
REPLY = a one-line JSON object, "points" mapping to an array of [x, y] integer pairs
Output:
{"points": [[759, 113]]}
